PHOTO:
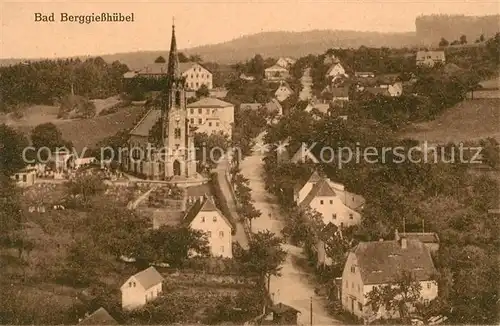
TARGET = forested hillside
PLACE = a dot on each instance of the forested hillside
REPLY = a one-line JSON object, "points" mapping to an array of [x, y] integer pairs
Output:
{"points": [[431, 28]]}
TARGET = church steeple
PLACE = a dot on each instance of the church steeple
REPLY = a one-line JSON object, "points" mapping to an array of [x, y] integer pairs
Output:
{"points": [[173, 72]]}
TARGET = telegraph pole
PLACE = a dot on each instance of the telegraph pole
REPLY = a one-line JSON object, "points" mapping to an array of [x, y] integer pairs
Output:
{"points": [[311, 311]]}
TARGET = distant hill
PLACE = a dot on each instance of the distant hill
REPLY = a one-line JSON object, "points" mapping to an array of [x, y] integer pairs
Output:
{"points": [[268, 44], [431, 28]]}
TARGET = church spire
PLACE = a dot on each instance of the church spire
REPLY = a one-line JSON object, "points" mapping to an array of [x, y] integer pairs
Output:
{"points": [[173, 58]]}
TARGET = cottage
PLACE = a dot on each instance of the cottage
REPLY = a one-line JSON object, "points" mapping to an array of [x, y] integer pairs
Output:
{"points": [[321, 196], [141, 288], [25, 177], [285, 62], [204, 216], [430, 58], [336, 70], [276, 73], [379, 263], [283, 92], [98, 317]]}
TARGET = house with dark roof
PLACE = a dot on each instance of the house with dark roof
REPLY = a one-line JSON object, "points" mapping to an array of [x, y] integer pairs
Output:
{"points": [[98, 317], [379, 263], [194, 73], [141, 288], [327, 198], [203, 215]]}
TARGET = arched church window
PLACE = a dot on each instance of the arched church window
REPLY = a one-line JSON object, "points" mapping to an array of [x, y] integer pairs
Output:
{"points": [[178, 98]]}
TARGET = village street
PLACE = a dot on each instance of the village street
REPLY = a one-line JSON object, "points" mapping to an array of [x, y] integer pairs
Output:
{"points": [[293, 287], [306, 80]]}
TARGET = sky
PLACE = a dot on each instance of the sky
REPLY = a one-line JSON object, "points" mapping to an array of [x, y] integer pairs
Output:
{"points": [[201, 22]]}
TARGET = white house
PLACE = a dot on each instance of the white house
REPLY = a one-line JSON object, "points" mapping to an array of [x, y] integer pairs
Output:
{"points": [[276, 73], [283, 92], [364, 74], [98, 317], [204, 216], [194, 73], [336, 70], [321, 196], [25, 177], [141, 288], [430, 58], [379, 263], [211, 115], [285, 62]]}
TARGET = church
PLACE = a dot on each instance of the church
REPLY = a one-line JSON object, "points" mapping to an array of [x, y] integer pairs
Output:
{"points": [[161, 145]]}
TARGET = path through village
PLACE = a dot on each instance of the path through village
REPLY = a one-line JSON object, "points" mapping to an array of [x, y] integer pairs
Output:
{"points": [[293, 287], [306, 80]]}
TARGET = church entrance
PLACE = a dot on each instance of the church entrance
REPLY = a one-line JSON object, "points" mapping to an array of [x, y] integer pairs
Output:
{"points": [[177, 167]]}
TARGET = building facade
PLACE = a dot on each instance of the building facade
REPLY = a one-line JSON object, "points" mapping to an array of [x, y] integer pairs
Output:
{"points": [[141, 288], [211, 115]]}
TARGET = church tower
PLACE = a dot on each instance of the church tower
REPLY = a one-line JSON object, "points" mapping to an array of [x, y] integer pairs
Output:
{"points": [[178, 139]]}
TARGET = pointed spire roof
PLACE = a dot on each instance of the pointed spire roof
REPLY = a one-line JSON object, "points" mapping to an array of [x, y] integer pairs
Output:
{"points": [[173, 58]]}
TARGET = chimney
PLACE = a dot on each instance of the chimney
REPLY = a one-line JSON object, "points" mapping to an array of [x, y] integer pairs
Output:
{"points": [[396, 235], [403, 243]]}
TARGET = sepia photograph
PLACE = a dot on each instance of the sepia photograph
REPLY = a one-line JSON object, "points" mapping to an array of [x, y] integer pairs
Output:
{"points": [[250, 162]]}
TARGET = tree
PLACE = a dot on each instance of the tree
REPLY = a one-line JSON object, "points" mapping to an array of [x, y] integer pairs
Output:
{"points": [[182, 57], [160, 59], [210, 148], [85, 185], [249, 212], [47, 135], [175, 244], [195, 58], [443, 42], [264, 256], [463, 39], [12, 145], [398, 298], [203, 91]]}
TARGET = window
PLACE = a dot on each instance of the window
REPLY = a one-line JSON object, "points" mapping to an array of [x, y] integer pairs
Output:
{"points": [[210, 124], [334, 216], [215, 219], [17, 177], [360, 306], [192, 84], [351, 216], [129, 284], [331, 201], [192, 111], [192, 120], [196, 77], [203, 219], [200, 111], [200, 121], [133, 284], [429, 285], [24, 177], [209, 234], [177, 133], [221, 234], [178, 98], [191, 77], [221, 248], [208, 111], [426, 302], [214, 111], [353, 269], [216, 124], [196, 84], [321, 202]]}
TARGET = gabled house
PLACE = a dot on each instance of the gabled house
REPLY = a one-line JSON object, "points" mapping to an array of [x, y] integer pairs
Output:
{"points": [[204, 216], [323, 199], [379, 263], [285, 62], [25, 178], [395, 89], [211, 115], [283, 92], [276, 73], [430, 58], [98, 317], [335, 70], [141, 288]]}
